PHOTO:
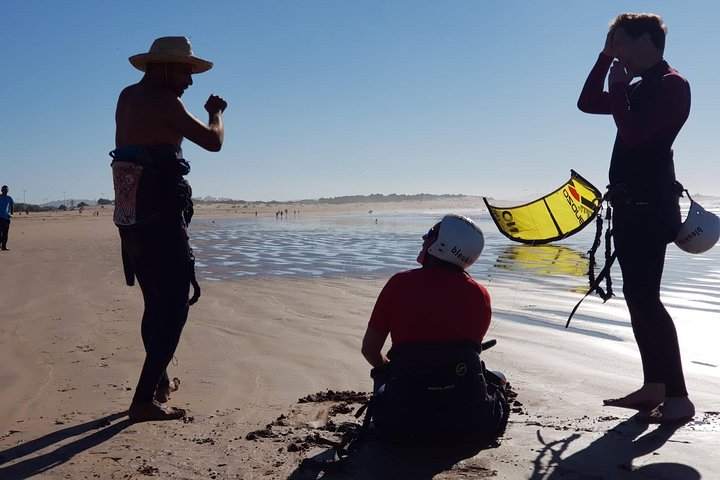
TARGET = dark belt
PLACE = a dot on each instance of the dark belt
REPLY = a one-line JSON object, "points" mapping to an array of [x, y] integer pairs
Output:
{"points": [[621, 194]]}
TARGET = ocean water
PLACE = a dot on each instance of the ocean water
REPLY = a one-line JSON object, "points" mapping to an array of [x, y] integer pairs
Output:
{"points": [[544, 281], [380, 244]]}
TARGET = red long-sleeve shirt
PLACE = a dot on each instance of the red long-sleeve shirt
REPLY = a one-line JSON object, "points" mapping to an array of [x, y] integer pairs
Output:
{"points": [[431, 304]]}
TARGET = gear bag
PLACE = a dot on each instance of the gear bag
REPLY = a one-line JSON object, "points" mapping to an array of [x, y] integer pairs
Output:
{"points": [[438, 392]]}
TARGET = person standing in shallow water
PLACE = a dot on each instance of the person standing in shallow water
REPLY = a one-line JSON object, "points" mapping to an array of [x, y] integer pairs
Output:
{"points": [[153, 205], [7, 208], [649, 114]]}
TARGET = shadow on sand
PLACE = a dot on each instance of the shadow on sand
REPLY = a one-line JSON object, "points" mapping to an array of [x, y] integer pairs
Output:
{"points": [[34, 465], [390, 461], [611, 456]]}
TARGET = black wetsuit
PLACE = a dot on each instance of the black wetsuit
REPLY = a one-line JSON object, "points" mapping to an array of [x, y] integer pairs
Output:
{"points": [[152, 208], [649, 114]]}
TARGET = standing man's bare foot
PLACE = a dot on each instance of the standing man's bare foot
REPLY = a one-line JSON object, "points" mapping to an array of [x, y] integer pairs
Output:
{"points": [[649, 396], [162, 394], [143, 412], [674, 410]]}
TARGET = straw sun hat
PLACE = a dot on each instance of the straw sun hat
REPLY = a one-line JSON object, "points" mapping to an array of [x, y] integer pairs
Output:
{"points": [[170, 50]]}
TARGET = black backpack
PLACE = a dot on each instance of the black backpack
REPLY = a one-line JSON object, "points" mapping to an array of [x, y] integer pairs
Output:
{"points": [[438, 392]]}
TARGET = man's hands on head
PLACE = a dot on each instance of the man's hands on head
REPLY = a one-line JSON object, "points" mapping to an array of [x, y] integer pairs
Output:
{"points": [[609, 50], [215, 104], [619, 73]]}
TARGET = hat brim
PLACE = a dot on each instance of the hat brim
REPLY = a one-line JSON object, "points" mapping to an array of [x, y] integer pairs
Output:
{"points": [[141, 60]]}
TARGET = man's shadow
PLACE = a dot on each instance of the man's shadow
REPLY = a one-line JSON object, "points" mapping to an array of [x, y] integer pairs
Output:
{"points": [[387, 461], [35, 465], [610, 456]]}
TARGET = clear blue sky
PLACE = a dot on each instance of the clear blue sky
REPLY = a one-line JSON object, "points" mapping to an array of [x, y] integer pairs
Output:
{"points": [[343, 97]]}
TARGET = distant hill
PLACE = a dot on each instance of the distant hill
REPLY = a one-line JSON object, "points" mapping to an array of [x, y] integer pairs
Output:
{"points": [[377, 197], [373, 198], [75, 201]]}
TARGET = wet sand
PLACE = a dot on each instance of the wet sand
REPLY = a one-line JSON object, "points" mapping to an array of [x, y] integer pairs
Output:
{"points": [[253, 347]]}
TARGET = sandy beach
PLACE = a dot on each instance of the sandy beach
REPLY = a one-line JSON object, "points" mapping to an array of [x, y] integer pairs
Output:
{"points": [[255, 351]]}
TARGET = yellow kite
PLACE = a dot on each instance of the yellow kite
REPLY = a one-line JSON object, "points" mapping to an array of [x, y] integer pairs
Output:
{"points": [[553, 217]]}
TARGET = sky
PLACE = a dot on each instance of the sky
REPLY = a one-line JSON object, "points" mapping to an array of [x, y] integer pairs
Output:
{"points": [[343, 97]]}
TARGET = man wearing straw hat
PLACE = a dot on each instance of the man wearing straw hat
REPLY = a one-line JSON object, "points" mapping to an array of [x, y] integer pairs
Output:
{"points": [[153, 205]]}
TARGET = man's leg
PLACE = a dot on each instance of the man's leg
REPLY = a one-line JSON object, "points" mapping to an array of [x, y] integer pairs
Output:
{"points": [[163, 341], [640, 244], [631, 241], [163, 278], [150, 322], [4, 232], [657, 339]]}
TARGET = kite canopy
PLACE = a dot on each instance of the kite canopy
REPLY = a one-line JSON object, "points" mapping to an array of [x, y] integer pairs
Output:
{"points": [[555, 216]]}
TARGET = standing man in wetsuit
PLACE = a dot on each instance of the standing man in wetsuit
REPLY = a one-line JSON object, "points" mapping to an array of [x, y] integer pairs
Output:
{"points": [[153, 204], [649, 114]]}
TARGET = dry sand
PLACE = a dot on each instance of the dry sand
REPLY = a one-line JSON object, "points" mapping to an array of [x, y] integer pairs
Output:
{"points": [[70, 352]]}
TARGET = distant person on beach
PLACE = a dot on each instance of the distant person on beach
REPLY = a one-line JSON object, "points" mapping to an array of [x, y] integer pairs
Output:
{"points": [[436, 315], [649, 114], [153, 205], [7, 208]]}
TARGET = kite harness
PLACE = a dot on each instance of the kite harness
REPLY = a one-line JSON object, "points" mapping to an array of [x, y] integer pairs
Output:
{"points": [[149, 184], [595, 281], [616, 194]]}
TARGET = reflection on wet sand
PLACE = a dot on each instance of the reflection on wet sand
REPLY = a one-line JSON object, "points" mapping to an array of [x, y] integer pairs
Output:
{"points": [[543, 260]]}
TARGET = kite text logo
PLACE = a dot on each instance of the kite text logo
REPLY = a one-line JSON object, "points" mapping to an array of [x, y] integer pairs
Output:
{"points": [[509, 221], [573, 206]]}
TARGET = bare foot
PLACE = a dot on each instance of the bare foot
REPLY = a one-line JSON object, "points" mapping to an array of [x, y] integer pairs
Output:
{"points": [[143, 412], [162, 394], [647, 397], [673, 410]]}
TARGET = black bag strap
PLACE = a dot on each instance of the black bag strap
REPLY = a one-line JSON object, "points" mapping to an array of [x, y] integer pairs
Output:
{"points": [[595, 281], [193, 279]]}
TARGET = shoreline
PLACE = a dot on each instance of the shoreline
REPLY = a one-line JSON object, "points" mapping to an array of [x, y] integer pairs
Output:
{"points": [[253, 347]]}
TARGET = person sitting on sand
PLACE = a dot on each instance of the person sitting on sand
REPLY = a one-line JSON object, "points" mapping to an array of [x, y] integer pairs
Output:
{"points": [[153, 205], [437, 316]]}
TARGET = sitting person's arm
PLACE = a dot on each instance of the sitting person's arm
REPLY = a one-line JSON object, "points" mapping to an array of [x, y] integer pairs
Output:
{"points": [[372, 344]]}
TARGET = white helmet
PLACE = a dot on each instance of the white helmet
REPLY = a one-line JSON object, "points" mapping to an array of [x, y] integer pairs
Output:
{"points": [[700, 230], [460, 241]]}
